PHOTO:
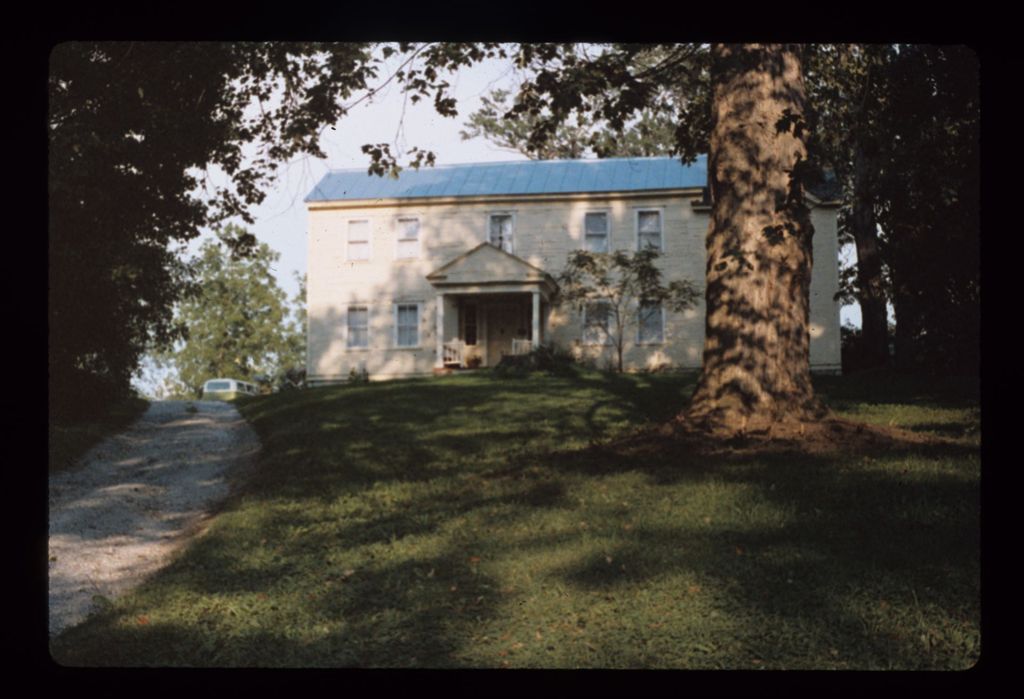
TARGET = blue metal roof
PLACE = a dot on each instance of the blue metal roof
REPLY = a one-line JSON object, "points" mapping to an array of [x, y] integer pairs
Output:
{"points": [[516, 177]]}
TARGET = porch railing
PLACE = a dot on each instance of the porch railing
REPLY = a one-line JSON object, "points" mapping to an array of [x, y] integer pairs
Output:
{"points": [[521, 346], [454, 352]]}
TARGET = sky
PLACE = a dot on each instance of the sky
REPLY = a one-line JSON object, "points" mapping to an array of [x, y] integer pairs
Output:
{"points": [[280, 220]]}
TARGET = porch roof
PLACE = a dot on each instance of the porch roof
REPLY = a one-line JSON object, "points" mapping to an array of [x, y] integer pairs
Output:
{"points": [[487, 268]]}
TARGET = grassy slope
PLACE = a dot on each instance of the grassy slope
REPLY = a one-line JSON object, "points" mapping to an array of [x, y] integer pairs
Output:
{"points": [[69, 440], [458, 522]]}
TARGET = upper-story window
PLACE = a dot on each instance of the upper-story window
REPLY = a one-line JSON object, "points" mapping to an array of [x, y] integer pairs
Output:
{"points": [[648, 229], [358, 240], [408, 238], [595, 231], [501, 230]]}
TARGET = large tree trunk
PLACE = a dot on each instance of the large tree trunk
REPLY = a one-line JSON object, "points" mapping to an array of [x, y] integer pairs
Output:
{"points": [[756, 369], [870, 289]]}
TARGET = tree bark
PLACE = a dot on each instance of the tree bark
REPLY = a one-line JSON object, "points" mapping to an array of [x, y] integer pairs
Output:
{"points": [[870, 288], [756, 369]]}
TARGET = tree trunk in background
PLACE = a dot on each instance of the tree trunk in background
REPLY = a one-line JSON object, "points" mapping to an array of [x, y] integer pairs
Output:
{"points": [[870, 287], [756, 369]]}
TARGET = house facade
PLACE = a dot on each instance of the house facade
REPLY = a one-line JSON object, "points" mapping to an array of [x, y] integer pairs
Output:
{"points": [[456, 266]]}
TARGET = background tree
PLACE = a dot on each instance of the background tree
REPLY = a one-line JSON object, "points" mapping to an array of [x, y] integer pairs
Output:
{"points": [[620, 285], [239, 322], [652, 133], [929, 206], [148, 144], [899, 125]]}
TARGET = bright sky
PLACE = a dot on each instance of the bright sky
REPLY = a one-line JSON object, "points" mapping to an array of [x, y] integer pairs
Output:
{"points": [[389, 118]]}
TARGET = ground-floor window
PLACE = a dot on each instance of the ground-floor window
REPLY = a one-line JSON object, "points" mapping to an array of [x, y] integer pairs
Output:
{"points": [[407, 325], [651, 326], [596, 323], [358, 326]]}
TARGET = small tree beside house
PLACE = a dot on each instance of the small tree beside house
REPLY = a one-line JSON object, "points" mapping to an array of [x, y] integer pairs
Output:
{"points": [[618, 293]]}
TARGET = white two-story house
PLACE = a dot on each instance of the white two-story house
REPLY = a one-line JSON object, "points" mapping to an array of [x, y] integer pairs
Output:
{"points": [[456, 266]]}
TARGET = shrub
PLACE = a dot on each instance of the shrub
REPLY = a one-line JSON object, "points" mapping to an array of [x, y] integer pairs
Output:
{"points": [[546, 358]]}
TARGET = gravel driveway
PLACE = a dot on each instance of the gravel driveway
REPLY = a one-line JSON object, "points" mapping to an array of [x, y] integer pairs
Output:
{"points": [[134, 499]]}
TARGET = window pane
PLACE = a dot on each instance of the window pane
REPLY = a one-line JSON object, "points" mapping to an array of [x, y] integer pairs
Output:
{"points": [[358, 240], [650, 222], [501, 232], [408, 248], [358, 331], [649, 240], [595, 330], [407, 337], [358, 231], [596, 232], [649, 235], [358, 251], [651, 329], [408, 326], [407, 315], [358, 337], [596, 223], [408, 228], [596, 243]]}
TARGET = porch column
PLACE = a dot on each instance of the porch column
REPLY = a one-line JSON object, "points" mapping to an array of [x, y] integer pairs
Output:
{"points": [[439, 362], [535, 335]]}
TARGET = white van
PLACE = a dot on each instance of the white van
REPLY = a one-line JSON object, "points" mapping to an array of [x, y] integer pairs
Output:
{"points": [[227, 389]]}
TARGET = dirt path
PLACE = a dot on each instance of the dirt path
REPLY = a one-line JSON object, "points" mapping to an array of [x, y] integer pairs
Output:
{"points": [[134, 500]]}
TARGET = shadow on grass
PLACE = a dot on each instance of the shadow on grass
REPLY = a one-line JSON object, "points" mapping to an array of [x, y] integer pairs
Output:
{"points": [[373, 519]]}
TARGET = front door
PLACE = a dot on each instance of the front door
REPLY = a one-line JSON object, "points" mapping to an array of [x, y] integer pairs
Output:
{"points": [[502, 323]]}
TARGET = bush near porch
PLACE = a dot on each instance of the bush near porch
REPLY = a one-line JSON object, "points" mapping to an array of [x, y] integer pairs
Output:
{"points": [[482, 521]]}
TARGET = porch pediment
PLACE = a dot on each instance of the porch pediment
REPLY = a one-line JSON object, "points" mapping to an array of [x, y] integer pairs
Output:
{"points": [[485, 265]]}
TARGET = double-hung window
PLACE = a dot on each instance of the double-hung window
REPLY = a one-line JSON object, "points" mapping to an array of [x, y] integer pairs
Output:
{"points": [[408, 238], [358, 240], [358, 327], [407, 325], [595, 231], [596, 323], [500, 231], [651, 325], [648, 229]]}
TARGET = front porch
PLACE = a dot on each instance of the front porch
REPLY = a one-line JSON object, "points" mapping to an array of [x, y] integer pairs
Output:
{"points": [[489, 304], [488, 327]]}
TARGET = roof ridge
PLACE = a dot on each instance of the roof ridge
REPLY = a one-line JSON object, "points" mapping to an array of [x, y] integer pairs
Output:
{"points": [[523, 161]]}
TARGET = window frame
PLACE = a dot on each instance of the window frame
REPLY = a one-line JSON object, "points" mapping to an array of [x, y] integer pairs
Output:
{"points": [[639, 326], [487, 233], [349, 347], [607, 341], [660, 210], [348, 240], [399, 239], [419, 320], [607, 230]]}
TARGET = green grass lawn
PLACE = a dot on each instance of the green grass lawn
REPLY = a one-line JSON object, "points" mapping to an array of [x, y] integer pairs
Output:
{"points": [[471, 521], [70, 439]]}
